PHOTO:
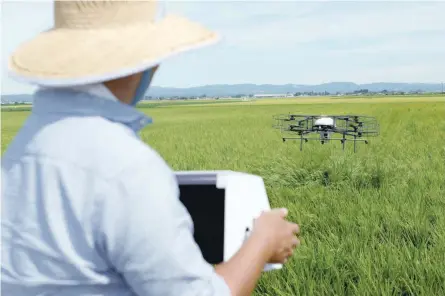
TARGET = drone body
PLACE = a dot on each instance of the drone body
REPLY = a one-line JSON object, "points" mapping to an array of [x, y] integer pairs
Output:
{"points": [[325, 122], [325, 126], [351, 127]]}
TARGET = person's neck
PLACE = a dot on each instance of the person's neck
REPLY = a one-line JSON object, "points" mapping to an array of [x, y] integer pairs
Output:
{"points": [[124, 89]]}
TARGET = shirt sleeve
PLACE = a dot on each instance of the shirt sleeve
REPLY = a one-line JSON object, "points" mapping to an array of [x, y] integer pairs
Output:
{"points": [[146, 235]]}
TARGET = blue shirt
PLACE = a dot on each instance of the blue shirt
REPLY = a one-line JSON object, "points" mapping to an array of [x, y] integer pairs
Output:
{"points": [[87, 208]]}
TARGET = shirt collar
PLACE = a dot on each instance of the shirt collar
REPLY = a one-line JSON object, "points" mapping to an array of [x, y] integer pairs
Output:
{"points": [[98, 90], [93, 100]]}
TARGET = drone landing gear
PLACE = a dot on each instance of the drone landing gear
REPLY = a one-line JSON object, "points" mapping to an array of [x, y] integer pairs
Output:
{"points": [[324, 141], [355, 144], [343, 141], [301, 142]]}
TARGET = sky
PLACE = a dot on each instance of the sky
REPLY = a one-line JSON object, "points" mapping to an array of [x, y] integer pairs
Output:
{"points": [[279, 42]]}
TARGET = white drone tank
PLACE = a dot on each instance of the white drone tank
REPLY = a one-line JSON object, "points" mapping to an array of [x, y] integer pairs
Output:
{"points": [[325, 122]]}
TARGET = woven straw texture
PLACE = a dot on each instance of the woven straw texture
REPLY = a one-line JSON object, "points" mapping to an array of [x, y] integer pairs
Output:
{"points": [[93, 40]]}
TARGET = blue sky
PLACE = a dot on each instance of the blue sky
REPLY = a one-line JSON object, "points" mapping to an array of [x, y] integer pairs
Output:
{"points": [[282, 41]]}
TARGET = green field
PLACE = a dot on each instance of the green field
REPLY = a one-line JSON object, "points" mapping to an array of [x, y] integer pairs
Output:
{"points": [[372, 222]]}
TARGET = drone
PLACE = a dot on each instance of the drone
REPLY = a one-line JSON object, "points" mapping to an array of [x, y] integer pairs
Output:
{"points": [[351, 128]]}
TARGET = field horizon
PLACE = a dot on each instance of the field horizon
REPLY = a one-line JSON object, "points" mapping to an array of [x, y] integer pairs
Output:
{"points": [[371, 222]]}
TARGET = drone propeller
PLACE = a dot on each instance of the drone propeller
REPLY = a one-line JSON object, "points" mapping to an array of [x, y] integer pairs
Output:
{"points": [[354, 127]]}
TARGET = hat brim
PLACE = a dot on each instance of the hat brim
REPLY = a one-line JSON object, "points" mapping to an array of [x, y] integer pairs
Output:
{"points": [[68, 57]]}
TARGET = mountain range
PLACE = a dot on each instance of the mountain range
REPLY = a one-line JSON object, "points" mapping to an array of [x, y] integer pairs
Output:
{"points": [[222, 90], [246, 89]]}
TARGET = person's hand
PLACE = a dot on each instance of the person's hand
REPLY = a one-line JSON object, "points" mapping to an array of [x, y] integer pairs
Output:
{"points": [[278, 234]]}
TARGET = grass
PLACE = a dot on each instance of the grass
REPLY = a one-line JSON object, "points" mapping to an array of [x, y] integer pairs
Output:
{"points": [[372, 222]]}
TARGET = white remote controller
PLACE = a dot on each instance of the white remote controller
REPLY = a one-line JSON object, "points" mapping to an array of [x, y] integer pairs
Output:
{"points": [[244, 197]]}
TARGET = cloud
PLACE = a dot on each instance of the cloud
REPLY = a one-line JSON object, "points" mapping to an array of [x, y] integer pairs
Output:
{"points": [[286, 41], [339, 21], [20, 21]]}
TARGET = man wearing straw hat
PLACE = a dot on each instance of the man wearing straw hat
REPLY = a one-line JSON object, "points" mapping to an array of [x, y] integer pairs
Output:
{"points": [[87, 207]]}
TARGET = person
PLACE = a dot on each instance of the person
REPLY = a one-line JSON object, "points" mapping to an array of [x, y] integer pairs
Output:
{"points": [[87, 207]]}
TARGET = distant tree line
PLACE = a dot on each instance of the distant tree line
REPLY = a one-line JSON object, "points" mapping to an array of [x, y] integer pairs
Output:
{"points": [[361, 92], [358, 92]]}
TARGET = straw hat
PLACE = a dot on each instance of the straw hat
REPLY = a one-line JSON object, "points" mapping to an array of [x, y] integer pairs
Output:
{"points": [[95, 41]]}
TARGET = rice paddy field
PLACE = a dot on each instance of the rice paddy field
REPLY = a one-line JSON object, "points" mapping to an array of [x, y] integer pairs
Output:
{"points": [[372, 222]]}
